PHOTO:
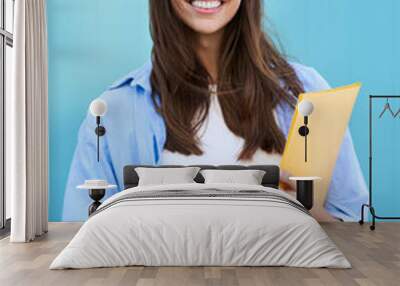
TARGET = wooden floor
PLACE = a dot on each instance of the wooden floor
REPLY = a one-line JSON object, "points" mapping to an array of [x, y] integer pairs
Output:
{"points": [[375, 257]]}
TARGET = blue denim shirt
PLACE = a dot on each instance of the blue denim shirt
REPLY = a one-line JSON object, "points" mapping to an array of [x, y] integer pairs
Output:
{"points": [[136, 134]]}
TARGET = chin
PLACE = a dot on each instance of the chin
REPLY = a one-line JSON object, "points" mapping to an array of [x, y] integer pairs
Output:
{"points": [[206, 28]]}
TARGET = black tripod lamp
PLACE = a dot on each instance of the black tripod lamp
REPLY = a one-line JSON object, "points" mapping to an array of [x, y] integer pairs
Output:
{"points": [[305, 108], [98, 108]]}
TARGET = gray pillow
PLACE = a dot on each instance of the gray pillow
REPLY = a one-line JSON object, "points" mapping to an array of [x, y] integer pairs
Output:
{"points": [[246, 177], [166, 176]]}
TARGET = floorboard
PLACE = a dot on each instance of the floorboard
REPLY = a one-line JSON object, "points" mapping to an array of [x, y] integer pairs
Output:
{"points": [[375, 257]]}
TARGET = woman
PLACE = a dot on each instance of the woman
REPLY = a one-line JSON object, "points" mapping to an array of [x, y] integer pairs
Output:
{"points": [[217, 91]]}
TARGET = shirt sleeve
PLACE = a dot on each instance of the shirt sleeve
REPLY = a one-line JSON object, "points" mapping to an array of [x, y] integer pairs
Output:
{"points": [[348, 190], [84, 166]]}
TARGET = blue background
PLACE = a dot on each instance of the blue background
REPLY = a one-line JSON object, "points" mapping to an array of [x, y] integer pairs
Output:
{"points": [[94, 42]]}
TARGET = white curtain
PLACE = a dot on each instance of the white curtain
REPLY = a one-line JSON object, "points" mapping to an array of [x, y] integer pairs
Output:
{"points": [[27, 124]]}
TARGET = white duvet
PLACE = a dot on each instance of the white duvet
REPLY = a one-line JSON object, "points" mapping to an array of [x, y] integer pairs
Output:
{"points": [[200, 232]]}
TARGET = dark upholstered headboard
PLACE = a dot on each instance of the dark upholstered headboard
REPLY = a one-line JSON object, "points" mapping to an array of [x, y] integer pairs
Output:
{"points": [[271, 178]]}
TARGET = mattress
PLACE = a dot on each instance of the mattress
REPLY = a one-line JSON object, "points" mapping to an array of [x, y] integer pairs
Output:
{"points": [[201, 225]]}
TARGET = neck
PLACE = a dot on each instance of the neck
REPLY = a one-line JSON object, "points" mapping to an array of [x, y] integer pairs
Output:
{"points": [[208, 50]]}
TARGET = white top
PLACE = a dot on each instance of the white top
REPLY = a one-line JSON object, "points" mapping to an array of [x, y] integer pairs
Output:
{"points": [[305, 178], [219, 144]]}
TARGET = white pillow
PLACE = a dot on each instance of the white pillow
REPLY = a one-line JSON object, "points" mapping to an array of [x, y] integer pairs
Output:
{"points": [[247, 177], [166, 176]]}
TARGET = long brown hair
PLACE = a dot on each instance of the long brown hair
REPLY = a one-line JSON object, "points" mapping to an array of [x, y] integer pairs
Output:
{"points": [[253, 77]]}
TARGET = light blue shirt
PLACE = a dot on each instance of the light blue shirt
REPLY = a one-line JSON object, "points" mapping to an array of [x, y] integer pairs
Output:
{"points": [[136, 134]]}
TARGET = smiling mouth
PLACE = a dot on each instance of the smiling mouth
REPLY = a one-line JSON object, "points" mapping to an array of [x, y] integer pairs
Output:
{"points": [[206, 5]]}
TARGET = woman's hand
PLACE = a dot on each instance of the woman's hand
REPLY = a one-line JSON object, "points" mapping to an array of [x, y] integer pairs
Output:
{"points": [[318, 211], [285, 184], [321, 215]]}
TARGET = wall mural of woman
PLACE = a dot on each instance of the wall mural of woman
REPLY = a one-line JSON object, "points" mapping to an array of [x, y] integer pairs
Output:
{"points": [[216, 91]]}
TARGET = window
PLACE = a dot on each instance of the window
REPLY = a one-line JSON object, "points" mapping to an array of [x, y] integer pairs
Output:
{"points": [[6, 63]]}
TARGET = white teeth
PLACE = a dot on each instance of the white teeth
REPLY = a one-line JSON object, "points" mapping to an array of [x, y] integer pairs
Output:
{"points": [[206, 4]]}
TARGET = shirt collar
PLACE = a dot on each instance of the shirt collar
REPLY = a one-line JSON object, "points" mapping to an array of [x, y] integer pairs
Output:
{"points": [[139, 77]]}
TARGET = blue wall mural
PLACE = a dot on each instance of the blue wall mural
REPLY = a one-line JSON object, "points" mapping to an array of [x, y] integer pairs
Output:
{"points": [[94, 42]]}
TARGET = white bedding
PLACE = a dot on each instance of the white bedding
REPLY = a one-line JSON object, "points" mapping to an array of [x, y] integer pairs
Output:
{"points": [[200, 231]]}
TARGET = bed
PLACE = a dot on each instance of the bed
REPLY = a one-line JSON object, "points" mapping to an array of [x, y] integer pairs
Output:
{"points": [[198, 224]]}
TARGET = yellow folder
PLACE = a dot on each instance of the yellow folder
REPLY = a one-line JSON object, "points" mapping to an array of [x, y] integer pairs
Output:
{"points": [[327, 124]]}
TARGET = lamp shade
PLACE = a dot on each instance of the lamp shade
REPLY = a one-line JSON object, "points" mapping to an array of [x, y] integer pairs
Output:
{"points": [[306, 107], [98, 107]]}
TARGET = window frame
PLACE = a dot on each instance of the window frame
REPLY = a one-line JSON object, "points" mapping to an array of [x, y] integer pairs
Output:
{"points": [[6, 39]]}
